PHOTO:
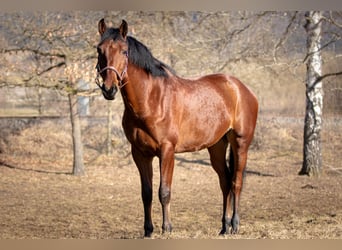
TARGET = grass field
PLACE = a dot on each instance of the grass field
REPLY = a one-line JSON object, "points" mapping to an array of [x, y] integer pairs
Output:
{"points": [[41, 199]]}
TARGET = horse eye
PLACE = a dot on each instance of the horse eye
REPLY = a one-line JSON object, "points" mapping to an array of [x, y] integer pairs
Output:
{"points": [[125, 52]]}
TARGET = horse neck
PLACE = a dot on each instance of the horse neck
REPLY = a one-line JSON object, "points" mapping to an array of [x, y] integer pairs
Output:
{"points": [[137, 89]]}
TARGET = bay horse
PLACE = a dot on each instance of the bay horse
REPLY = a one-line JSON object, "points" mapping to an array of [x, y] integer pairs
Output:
{"points": [[165, 114]]}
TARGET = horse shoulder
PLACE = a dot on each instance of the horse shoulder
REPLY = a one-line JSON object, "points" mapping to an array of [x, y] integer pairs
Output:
{"points": [[137, 133]]}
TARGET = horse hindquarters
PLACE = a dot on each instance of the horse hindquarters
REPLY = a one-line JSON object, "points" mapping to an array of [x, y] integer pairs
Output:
{"points": [[240, 139]]}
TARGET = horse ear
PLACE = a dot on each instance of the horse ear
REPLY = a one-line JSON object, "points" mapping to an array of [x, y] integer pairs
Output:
{"points": [[102, 26], [124, 29]]}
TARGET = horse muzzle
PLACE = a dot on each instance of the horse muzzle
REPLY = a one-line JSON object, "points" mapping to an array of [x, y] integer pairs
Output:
{"points": [[110, 93]]}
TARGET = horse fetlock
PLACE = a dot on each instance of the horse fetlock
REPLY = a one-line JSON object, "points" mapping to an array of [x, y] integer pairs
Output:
{"points": [[148, 230], [235, 223], [226, 223], [167, 228]]}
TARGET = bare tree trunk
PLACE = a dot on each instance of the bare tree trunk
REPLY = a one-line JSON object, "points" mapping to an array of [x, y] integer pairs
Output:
{"points": [[78, 166], [109, 127], [312, 162]]}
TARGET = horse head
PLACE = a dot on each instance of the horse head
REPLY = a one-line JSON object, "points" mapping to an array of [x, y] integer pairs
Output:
{"points": [[112, 58]]}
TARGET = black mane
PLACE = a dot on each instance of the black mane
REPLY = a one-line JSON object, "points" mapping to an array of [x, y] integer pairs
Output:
{"points": [[139, 54]]}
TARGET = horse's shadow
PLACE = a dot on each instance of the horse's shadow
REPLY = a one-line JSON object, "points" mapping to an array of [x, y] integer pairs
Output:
{"points": [[4, 164], [180, 159], [207, 163]]}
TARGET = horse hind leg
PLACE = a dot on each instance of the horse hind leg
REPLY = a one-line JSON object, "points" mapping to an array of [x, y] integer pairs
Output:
{"points": [[217, 154], [237, 162]]}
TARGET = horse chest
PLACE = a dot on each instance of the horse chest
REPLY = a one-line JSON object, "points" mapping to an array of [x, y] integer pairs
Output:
{"points": [[138, 136]]}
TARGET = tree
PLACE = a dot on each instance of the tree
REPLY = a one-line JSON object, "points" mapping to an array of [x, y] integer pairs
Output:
{"points": [[78, 165], [312, 150], [54, 55], [109, 127]]}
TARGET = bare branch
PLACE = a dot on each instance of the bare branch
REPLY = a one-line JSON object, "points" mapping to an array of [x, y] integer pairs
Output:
{"points": [[328, 75], [51, 67], [35, 51], [89, 92], [284, 36], [333, 40], [332, 20]]}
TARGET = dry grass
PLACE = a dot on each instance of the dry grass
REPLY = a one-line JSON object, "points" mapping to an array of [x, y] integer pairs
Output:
{"points": [[40, 199]]}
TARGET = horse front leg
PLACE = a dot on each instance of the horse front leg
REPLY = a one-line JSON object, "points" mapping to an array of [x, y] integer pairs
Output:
{"points": [[144, 164], [166, 174]]}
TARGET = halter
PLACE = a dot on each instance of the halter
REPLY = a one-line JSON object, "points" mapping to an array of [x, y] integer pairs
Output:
{"points": [[119, 76]]}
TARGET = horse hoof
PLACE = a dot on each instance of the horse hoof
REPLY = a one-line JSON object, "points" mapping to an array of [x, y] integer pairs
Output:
{"points": [[148, 235], [223, 232], [235, 229]]}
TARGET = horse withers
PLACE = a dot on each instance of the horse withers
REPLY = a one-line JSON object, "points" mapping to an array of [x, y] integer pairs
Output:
{"points": [[165, 114]]}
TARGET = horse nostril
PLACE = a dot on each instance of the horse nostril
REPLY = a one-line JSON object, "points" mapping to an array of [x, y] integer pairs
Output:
{"points": [[108, 88], [113, 90]]}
